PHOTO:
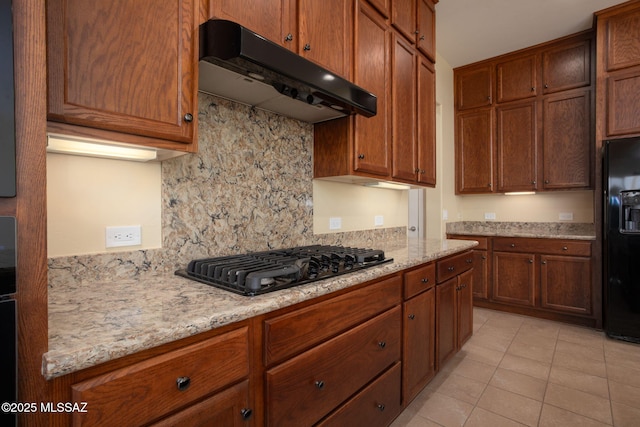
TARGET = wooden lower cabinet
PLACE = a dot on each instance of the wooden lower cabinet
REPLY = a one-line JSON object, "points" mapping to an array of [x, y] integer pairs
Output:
{"points": [[306, 388], [514, 278], [565, 284]]}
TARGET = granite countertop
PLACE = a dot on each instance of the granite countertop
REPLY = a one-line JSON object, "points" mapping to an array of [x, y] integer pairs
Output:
{"points": [[96, 322], [550, 230]]}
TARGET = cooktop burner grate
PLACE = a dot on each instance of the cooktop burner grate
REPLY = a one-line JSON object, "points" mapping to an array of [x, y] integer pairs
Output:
{"points": [[261, 272]]}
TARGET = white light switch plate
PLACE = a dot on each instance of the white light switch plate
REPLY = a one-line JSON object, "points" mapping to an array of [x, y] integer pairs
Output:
{"points": [[489, 215], [378, 220], [566, 216], [335, 223]]}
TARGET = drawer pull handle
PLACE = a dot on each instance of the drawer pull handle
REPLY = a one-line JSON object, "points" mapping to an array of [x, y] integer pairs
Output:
{"points": [[183, 383], [564, 248], [451, 268], [469, 261], [382, 344], [319, 385], [412, 316], [425, 280], [513, 245], [246, 413], [380, 406]]}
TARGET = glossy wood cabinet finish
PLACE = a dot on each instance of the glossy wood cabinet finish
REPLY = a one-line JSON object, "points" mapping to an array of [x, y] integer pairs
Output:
{"points": [[382, 6], [564, 283], [269, 18], [426, 33], [454, 305], [326, 32], [307, 387], [474, 151], [418, 359], [516, 78], [403, 98], [567, 140], [291, 333], [375, 406], [481, 264], [103, 69], [514, 278], [403, 17], [474, 87], [543, 119], [419, 280], [426, 123], [517, 146], [145, 391]]}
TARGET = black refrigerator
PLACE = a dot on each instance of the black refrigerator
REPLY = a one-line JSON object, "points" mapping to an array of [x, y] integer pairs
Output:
{"points": [[621, 237]]}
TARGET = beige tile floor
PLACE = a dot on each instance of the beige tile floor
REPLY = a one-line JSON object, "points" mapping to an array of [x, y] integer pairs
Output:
{"points": [[519, 370]]}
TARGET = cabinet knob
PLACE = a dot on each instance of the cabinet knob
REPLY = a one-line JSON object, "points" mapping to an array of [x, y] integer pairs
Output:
{"points": [[412, 228], [484, 257], [417, 170], [489, 185], [422, 171], [412, 316], [513, 245], [564, 248], [425, 280], [533, 89], [319, 385], [544, 262], [188, 117], [469, 261], [451, 268], [421, 38], [533, 182], [289, 37], [307, 47], [489, 99], [530, 261], [183, 383], [546, 86], [546, 181], [380, 406], [361, 156], [382, 344], [246, 413]]}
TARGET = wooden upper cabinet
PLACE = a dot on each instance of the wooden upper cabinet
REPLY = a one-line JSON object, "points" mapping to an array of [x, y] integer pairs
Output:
{"points": [[129, 69], [269, 18], [622, 40], [372, 149], [383, 6], [403, 95], [473, 87], [517, 146], [426, 122], [474, 151], [567, 140], [566, 66], [325, 33], [516, 78], [427, 28], [403, 17]]}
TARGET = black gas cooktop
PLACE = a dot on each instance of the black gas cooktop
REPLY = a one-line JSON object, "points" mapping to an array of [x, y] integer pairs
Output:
{"points": [[261, 272]]}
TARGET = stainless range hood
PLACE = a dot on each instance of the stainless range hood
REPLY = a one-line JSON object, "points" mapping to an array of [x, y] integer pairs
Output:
{"points": [[240, 65]]}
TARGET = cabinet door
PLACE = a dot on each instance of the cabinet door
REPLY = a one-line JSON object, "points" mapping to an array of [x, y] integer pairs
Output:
{"points": [[516, 79], [426, 122], [514, 278], [383, 6], [229, 408], [427, 28], [623, 40], [474, 151], [403, 17], [446, 321], [480, 275], [623, 103], [567, 140], [129, 68], [464, 307], [325, 29], [516, 143], [403, 95], [372, 149], [565, 283], [418, 360], [566, 66], [473, 87]]}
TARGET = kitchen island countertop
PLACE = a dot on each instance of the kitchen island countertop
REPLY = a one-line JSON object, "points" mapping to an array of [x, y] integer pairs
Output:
{"points": [[93, 323]]}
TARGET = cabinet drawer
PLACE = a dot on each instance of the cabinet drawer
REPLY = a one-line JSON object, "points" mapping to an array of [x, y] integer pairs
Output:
{"points": [[454, 265], [421, 279], [376, 405], [545, 246], [304, 389], [294, 332], [141, 393]]}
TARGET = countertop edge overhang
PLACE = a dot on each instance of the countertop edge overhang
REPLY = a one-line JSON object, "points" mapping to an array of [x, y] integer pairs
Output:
{"points": [[95, 323]]}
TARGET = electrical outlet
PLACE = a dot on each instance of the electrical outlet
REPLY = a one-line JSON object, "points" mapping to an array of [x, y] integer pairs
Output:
{"points": [[378, 220], [489, 215], [123, 236], [445, 214], [335, 223], [566, 216]]}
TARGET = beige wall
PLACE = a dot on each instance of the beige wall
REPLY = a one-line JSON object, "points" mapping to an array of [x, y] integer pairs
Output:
{"points": [[85, 195], [357, 206]]}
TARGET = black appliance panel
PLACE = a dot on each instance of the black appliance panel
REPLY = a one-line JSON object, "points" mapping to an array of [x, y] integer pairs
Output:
{"points": [[622, 239], [7, 114], [7, 255]]}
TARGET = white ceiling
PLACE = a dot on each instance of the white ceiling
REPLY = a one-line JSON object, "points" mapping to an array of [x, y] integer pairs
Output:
{"points": [[471, 30]]}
